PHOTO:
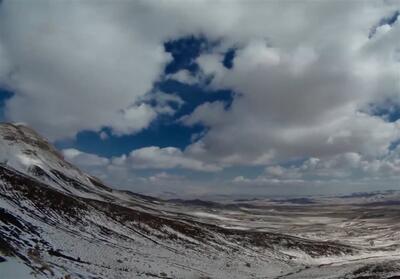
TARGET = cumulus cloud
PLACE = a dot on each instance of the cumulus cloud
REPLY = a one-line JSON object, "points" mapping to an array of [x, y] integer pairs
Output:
{"points": [[84, 159], [83, 65], [163, 102], [183, 76], [125, 171], [303, 90], [304, 99], [164, 177], [330, 174], [154, 157], [345, 168], [76, 66]]}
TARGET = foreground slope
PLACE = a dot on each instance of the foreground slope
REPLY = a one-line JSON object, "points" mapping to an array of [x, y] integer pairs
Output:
{"points": [[58, 222]]}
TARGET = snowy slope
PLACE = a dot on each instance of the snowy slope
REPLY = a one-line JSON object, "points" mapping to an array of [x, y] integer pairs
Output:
{"points": [[58, 222], [24, 150]]}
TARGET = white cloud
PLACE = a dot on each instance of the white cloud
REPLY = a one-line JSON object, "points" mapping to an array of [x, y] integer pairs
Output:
{"points": [[305, 99], [103, 135], [164, 177], [152, 157], [166, 158], [133, 119], [76, 66], [84, 65], [314, 175], [149, 170], [301, 86], [343, 168], [84, 159], [164, 101], [183, 76], [276, 171]]}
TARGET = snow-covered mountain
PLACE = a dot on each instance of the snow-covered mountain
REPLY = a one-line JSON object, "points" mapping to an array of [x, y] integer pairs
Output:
{"points": [[59, 222]]}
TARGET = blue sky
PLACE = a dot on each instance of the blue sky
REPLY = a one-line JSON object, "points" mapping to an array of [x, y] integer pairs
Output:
{"points": [[4, 95], [166, 130], [226, 98]]}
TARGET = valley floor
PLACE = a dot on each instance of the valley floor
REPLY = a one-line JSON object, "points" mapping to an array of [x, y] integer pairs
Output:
{"points": [[49, 234]]}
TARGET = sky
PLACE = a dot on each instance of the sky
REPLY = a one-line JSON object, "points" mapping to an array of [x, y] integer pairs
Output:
{"points": [[210, 98]]}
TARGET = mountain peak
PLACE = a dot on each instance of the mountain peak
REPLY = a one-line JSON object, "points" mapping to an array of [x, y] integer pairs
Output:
{"points": [[15, 133], [21, 147], [24, 150]]}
